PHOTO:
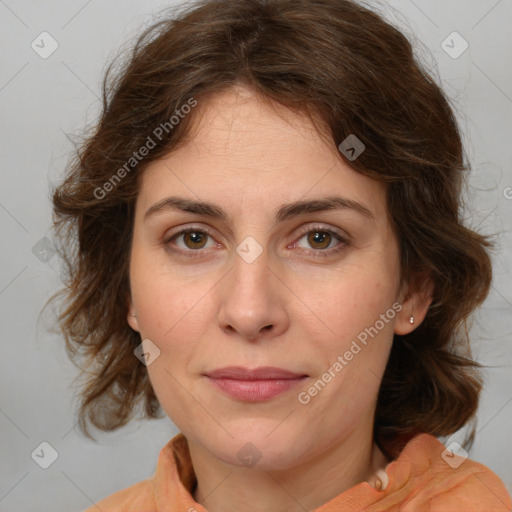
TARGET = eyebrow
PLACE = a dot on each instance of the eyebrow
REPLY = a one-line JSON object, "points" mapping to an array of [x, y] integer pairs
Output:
{"points": [[285, 212]]}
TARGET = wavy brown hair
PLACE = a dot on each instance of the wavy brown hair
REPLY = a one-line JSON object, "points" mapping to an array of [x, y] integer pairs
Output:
{"points": [[352, 73]]}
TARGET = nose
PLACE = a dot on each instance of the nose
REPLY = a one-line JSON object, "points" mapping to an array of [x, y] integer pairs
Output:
{"points": [[253, 301]]}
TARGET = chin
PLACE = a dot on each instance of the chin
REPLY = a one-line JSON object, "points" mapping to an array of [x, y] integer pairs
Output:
{"points": [[258, 447]]}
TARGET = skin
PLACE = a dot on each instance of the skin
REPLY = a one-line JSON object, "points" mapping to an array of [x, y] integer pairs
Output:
{"points": [[298, 305]]}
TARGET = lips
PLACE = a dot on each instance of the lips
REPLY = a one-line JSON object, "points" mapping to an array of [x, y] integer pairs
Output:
{"points": [[254, 385], [262, 373]]}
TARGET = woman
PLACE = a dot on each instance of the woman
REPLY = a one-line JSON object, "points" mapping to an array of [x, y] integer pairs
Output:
{"points": [[269, 249]]}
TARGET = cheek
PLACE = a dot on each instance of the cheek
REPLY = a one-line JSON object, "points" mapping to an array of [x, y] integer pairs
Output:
{"points": [[351, 339], [355, 333], [340, 305], [171, 314], [166, 301]]}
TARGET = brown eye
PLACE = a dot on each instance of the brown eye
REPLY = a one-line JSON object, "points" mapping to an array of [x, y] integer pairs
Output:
{"points": [[190, 242], [194, 239], [319, 239]]}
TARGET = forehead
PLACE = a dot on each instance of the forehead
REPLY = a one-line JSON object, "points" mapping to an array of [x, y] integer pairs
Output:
{"points": [[238, 118], [241, 146]]}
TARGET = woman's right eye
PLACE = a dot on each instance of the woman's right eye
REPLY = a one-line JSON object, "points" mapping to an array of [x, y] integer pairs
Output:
{"points": [[189, 241]]}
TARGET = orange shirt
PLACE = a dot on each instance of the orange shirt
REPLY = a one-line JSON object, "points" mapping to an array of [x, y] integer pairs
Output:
{"points": [[418, 480]]}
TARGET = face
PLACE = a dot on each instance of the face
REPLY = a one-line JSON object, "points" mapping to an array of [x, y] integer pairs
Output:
{"points": [[267, 274]]}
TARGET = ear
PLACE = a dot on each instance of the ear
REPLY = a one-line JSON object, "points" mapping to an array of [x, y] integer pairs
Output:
{"points": [[417, 297], [131, 316]]}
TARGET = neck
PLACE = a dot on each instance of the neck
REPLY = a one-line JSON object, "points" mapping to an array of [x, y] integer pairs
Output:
{"points": [[223, 487]]}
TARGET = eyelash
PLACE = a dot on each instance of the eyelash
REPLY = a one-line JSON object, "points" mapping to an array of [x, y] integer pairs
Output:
{"points": [[322, 253]]}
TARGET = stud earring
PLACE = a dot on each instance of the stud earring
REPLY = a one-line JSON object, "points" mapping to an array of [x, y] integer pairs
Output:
{"points": [[411, 320]]}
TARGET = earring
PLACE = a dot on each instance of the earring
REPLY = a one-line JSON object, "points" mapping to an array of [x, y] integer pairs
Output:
{"points": [[411, 320]]}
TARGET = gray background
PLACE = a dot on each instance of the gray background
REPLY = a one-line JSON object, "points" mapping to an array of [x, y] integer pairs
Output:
{"points": [[44, 100]]}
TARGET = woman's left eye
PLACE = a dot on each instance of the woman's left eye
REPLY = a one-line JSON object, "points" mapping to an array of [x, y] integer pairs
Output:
{"points": [[322, 240]]}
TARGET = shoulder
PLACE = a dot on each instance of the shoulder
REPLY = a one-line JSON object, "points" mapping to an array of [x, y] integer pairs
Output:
{"points": [[434, 478], [139, 496], [170, 484]]}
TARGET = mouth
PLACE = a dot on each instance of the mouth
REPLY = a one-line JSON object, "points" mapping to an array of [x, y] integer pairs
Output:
{"points": [[254, 385]]}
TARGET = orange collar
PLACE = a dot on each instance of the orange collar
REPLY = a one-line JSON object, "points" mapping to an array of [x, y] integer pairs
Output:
{"points": [[424, 476]]}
